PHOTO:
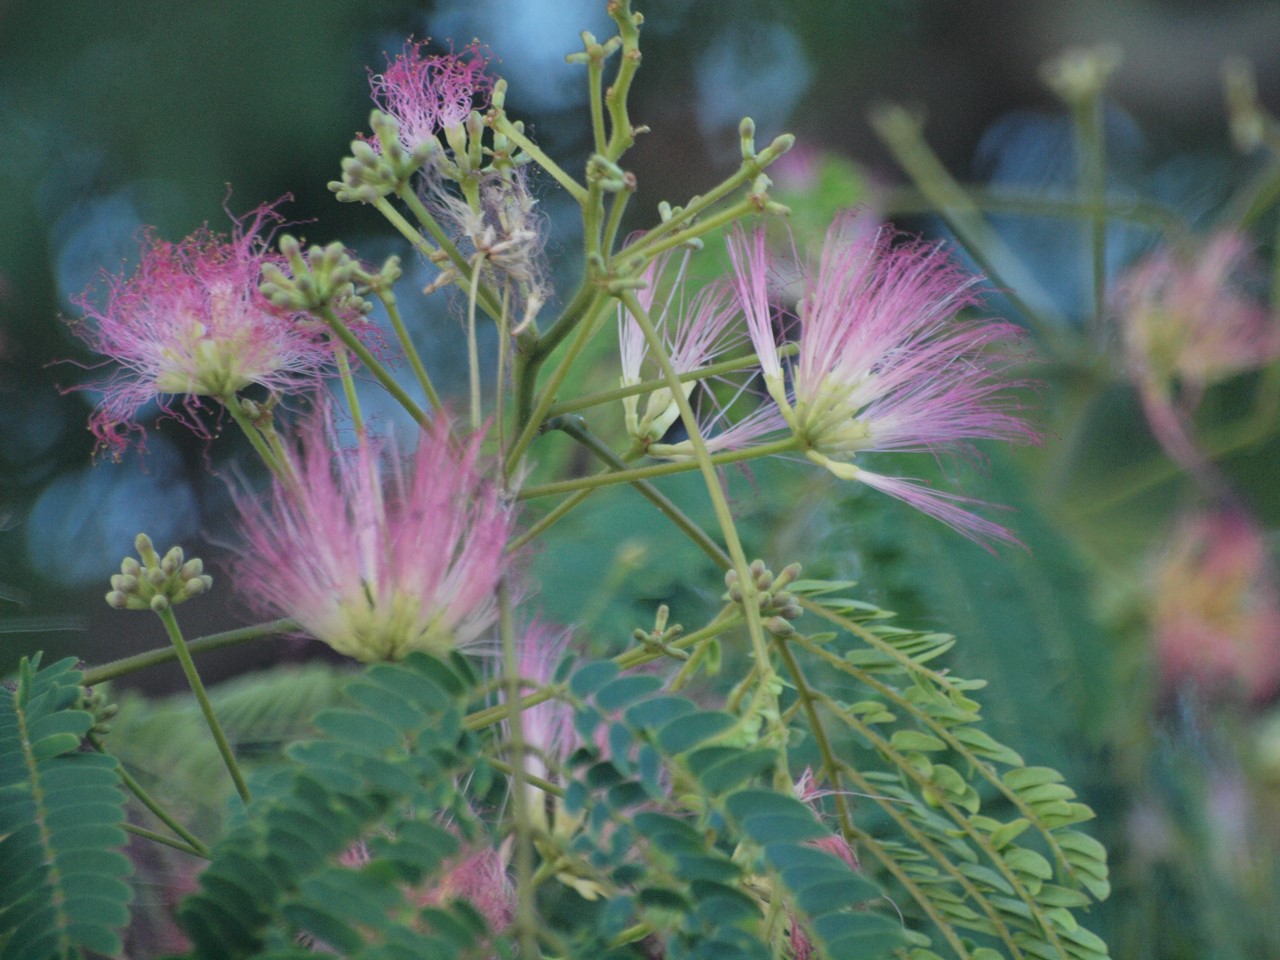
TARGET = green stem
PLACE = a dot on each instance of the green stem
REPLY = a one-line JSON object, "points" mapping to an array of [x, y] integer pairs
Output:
{"points": [[909, 200], [151, 835], [473, 347], [787, 445], [197, 687], [410, 351], [214, 641], [622, 136], [595, 84], [503, 125], [152, 804], [273, 463], [532, 426], [371, 362], [830, 766], [526, 918], [726, 216], [724, 516], [488, 301], [747, 362], [349, 390], [576, 428], [546, 786], [727, 619], [1127, 484], [1093, 185]]}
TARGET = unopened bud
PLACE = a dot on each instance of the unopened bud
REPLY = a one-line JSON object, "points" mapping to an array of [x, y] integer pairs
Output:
{"points": [[778, 626], [172, 561], [160, 603], [146, 550]]}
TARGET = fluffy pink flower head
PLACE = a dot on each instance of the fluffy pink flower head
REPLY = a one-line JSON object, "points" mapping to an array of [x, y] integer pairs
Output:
{"points": [[377, 554], [696, 331], [428, 94], [1216, 607], [549, 736], [1187, 324], [1188, 318], [192, 322], [884, 363]]}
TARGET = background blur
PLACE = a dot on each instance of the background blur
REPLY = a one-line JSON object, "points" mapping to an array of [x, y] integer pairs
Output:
{"points": [[113, 116]]}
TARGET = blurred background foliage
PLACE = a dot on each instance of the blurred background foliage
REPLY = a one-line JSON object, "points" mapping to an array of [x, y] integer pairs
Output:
{"points": [[115, 116]]}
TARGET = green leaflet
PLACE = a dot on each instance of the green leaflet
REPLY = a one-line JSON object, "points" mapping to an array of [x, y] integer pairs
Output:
{"points": [[61, 811]]}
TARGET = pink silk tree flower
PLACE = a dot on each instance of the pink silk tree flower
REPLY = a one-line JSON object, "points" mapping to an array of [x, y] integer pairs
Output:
{"points": [[428, 94], [192, 322], [549, 736], [1188, 324], [884, 364], [378, 554], [696, 331], [1216, 607]]}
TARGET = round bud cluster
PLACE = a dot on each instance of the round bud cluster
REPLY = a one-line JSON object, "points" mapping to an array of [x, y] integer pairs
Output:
{"points": [[103, 711], [322, 277], [156, 583], [380, 166], [777, 605]]}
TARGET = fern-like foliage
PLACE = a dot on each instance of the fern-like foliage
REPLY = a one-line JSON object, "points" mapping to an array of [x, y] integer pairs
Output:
{"points": [[980, 842], [61, 816], [381, 781], [680, 838]]}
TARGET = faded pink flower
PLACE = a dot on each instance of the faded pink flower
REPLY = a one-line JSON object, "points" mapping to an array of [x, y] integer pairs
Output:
{"points": [[192, 322], [808, 791], [1187, 324], [428, 94], [549, 736], [477, 874], [884, 363], [1216, 607], [378, 554], [696, 331]]}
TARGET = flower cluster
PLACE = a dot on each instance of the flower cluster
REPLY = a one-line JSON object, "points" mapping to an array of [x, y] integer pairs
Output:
{"points": [[430, 94], [884, 363], [191, 321], [1188, 324], [379, 555], [696, 332], [1216, 607]]}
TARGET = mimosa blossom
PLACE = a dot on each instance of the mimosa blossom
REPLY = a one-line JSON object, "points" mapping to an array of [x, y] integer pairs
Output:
{"points": [[376, 554], [192, 322], [696, 332], [884, 364], [1216, 607], [428, 94], [1188, 324]]}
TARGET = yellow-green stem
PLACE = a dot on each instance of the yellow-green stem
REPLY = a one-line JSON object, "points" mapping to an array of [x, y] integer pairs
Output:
{"points": [[788, 445], [148, 801], [526, 918], [410, 351], [724, 516], [586, 329], [214, 641], [197, 687], [371, 363], [349, 389], [488, 302], [508, 129], [648, 386], [264, 451]]}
